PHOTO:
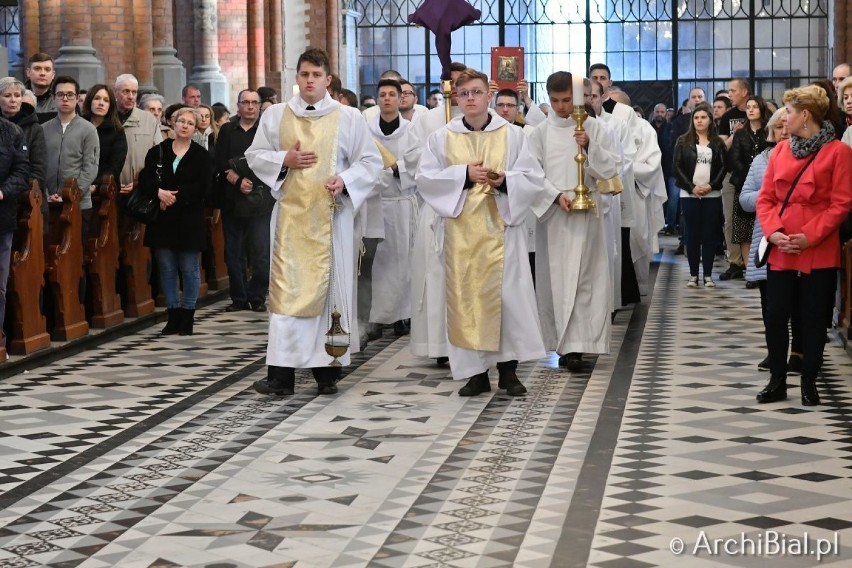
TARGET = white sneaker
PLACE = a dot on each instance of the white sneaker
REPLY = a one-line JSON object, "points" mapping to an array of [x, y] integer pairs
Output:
{"points": [[693, 282], [708, 282]]}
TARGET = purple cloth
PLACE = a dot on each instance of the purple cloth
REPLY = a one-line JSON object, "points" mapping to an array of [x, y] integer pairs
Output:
{"points": [[442, 17]]}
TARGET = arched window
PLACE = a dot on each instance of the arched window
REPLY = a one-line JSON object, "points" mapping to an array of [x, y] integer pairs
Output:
{"points": [[657, 49]]}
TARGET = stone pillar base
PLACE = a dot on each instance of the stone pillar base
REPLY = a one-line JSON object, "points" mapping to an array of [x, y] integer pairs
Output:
{"points": [[212, 84], [79, 61], [169, 73]]}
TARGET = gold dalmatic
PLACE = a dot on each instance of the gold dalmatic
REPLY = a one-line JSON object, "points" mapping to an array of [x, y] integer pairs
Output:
{"points": [[301, 254], [473, 247]]}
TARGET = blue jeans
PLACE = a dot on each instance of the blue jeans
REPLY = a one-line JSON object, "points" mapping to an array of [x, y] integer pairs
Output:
{"points": [[170, 262], [702, 238], [5, 257], [242, 233]]}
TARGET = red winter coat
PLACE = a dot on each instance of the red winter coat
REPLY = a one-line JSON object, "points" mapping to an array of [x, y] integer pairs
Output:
{"points": [[819, 204]]}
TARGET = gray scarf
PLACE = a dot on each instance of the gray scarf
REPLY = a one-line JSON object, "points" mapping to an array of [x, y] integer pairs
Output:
{"points": [[802, 147]]}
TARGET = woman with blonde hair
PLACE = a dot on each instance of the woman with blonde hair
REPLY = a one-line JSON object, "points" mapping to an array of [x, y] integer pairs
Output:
{"points": [[177, 172], [812, 173], [844, 101]]}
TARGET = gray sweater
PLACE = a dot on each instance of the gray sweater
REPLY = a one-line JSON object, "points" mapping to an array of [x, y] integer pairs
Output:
{"points": [[71, 154]]}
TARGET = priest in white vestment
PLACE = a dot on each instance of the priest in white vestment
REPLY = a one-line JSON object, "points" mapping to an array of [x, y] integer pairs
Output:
{"points": [[428, 336], [391, 282], [573, 284], [313, 152], [477, 173]]}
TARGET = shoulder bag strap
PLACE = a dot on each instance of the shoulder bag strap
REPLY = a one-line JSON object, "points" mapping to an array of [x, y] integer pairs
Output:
{"points": [[795, 181]]}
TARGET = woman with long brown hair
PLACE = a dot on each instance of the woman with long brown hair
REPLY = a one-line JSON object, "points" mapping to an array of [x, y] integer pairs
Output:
{"points": [[699, 168]]}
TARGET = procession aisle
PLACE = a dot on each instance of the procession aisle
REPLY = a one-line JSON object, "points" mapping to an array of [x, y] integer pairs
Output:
{"points": [[155, 451]]}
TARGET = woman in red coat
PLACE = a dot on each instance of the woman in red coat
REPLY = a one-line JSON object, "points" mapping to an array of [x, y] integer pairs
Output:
{"points": [[806, 245]]}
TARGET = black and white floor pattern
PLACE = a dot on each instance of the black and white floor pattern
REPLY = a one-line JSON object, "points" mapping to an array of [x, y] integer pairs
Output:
{"points": [[154, 451]]}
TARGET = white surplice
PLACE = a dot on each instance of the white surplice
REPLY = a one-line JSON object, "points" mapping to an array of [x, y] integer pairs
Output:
{"points": [[616, 131], [651, 188], [442, 186], [300, 341], [391, 286], [428, 337], [573, 285]]}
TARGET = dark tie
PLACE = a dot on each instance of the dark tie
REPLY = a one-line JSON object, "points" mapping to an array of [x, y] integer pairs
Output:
{"points": [[310, 107]]}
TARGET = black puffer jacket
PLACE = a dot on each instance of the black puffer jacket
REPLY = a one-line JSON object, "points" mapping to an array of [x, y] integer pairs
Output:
{"points": [[14, 172], [27, 120]]}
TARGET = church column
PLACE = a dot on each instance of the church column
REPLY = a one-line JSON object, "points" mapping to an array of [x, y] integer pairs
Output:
{"points": [[256, 44], [275, 63], [76, 55], [143, 44], [206, 73], [332, 24], [29, 22], [169, 73]]}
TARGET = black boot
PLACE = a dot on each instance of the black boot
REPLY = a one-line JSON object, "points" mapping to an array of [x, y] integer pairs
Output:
{"points": [[279, 381], [173, 325], [325, 378], [810, 396], [509, 379], [477, 384], [773, 392], [187, 321], [572, 361]]}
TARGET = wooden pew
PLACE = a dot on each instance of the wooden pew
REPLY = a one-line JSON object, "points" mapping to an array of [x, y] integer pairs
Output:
{"points": [[64, 265], [135, 262], [102, 257], [26, 278], [217, 270]]}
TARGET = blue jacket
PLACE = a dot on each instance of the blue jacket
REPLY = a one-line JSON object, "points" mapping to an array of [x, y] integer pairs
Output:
{"points": [[748, 201]]}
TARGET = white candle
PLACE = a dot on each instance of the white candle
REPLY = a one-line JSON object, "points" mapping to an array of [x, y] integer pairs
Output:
{"points": [[579, 92], [295, 90]]}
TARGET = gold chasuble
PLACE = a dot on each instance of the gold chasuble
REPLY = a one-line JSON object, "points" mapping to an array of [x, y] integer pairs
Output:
{"points": [[473, 247], [301, 254]]}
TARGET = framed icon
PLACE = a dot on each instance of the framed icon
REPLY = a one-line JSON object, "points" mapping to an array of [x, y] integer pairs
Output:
{"points": [[507, 66]]}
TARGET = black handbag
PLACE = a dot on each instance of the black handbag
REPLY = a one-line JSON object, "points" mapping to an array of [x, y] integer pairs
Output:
{"points": [[764, 247], [142, 206]]}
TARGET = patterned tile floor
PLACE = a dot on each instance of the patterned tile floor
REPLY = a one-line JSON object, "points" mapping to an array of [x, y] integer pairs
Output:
{"points": [[154, 451]]}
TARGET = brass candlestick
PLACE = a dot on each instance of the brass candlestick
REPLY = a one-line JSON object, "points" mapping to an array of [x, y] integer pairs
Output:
{"points": [[581, 201], [447, 87]]}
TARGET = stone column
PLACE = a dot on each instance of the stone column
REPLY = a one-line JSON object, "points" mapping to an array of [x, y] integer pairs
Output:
{"points": [[206, 73], [76, 55], [143, 45], [256, 44], [169, 73], [275, 62], [29, 24]]}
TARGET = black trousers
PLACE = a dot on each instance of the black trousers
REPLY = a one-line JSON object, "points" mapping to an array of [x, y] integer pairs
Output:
{"points": [[795, 318], [813, 296], [629, 282]]}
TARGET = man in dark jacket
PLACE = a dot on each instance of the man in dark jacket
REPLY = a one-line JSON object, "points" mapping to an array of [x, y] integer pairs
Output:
{"points": [[14, 173], [246, 208]]}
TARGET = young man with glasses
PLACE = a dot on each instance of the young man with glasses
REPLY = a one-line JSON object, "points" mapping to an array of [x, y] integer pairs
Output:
{"points": [[408, 107], [314, 153], [479, 176], [72, 148], [246, 209]]}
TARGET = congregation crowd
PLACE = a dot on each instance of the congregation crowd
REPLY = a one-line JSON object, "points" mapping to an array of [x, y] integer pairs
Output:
{"points": [[463, 234]]}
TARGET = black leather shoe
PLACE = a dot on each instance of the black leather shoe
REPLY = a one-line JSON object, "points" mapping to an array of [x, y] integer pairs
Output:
{"points": [[571, 361], [237, 307], [509, 380], [773, 392], [326, 377], [401, 328], [477, 384], [442, 361], [280, 381], [257, 306], [810, 396]]}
